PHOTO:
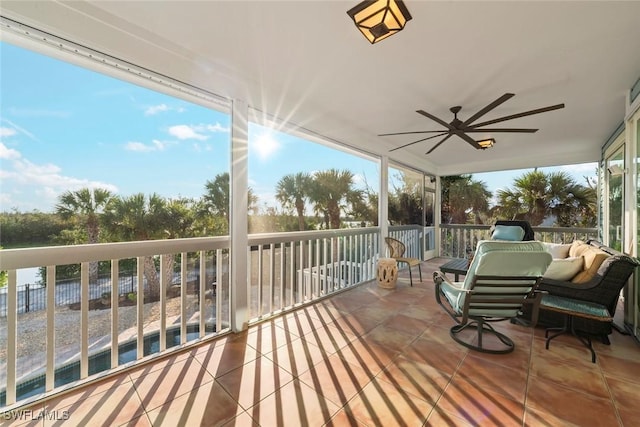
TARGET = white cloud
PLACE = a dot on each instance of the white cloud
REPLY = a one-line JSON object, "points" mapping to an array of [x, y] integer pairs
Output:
{"points": [[156, 145], [137, 146], [19, 129], [27, 185], [8, 153], [155, 109], [4, 132], [186, 132], [217, 128]]}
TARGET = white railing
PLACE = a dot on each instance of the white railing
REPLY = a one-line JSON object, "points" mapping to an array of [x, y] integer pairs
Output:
{"points": [[61, 342], [412, 237], [456, 240], [186, 300], [290, 269]]}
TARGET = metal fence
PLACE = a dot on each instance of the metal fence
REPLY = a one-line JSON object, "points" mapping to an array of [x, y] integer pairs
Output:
{"points": [[33, 296]]}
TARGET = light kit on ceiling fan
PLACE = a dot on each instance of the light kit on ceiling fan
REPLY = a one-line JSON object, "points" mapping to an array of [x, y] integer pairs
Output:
{"points": [[483, 144], [379, 19]]}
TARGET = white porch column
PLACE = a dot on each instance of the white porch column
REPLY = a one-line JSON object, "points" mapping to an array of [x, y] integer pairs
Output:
{"points": [[437, 214], [383, 204], [238, 215]]}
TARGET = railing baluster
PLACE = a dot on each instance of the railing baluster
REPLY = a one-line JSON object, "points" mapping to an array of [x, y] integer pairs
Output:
{"points": [[12, 335], [220, 285], [292, 273], [163, 302], [115, 292], [84, 320], [51, 330], [283, 276], [183, 297], [309, 287], [328, 284], [140, 309], [202, 293], [272, 276]]}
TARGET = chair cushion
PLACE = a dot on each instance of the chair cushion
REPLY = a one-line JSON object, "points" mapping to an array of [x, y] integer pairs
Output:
{"points": [[506, 258], [508, 232], [564, 268], [593, 259], [558, 250], [531, 264], [486, 246]]}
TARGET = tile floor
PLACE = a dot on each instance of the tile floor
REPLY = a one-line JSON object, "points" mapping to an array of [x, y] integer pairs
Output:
{"points": [[367, 357]]}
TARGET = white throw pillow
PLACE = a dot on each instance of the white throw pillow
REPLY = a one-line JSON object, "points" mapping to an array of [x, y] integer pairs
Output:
{"points": [[558, 250], [564, 268]]}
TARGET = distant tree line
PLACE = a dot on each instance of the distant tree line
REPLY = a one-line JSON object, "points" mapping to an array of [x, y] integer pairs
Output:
{"points": [[324, 199], [534, 196]]}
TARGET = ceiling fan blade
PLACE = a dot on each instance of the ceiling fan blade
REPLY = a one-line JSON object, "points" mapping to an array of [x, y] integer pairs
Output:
{"points": [[420, 140], [438, 144], [467, 138], [511, 130], [410, 133], [488, 108], [516, 116], [435, 119]]}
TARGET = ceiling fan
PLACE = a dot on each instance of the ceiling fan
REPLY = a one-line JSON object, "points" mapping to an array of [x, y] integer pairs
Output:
{"points": [[462, 128]]}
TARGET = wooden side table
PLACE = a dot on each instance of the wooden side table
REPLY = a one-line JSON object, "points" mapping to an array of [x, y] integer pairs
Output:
{"points": [[457, 266], [387, 273]]}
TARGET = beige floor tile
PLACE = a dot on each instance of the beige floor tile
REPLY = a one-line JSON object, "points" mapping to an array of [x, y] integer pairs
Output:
{"points": [[416, 377], [568, 404], [115, 406], [488, 375], [480, 406], [383, 404], [372, 357], [254, 381], [173, 381], [298, 357], [207, 405], [220, 358], [330, 339], [336, 379], [295, 404]]}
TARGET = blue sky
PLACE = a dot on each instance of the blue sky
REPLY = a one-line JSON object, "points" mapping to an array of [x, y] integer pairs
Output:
{"points": [[63, 127]]}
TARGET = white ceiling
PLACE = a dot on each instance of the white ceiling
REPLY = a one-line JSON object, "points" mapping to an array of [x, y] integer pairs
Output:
{"points": [[305, 61]]}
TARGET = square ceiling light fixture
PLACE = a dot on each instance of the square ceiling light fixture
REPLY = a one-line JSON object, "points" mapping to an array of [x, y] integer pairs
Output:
{"points": [[379, 19], [486, 143]]}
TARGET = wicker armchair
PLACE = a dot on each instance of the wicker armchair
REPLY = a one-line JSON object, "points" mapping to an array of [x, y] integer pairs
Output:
{"points": [[604, 288], [397, 250]]}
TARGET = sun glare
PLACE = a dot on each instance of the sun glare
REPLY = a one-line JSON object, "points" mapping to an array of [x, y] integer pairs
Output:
{"points": [[265, 145]]}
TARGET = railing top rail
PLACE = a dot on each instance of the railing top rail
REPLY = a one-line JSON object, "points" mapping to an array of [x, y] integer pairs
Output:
{"points": [[405, 227], [584, 230], [268, 238], [13, 259]]}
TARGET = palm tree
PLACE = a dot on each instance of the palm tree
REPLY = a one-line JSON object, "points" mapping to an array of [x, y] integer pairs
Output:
{"points": [[138, 217], [292, 191], [462, 195], [332, 192], [85, 206], [536, 195], [216, 198]]}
